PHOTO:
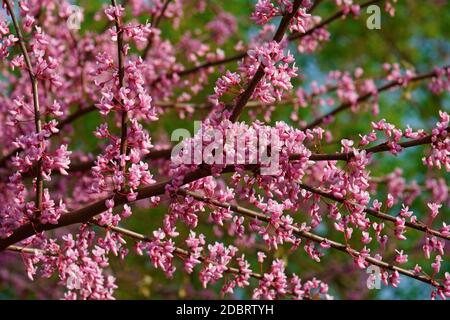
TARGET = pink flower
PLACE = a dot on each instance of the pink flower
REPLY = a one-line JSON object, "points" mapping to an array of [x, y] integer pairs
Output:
{"points": [[394, 279], [264, 11], [273, 283], [126, 211], [417, 269], [404, 212], [400, 257], [261, 256], [440, 152], [436, 265], [277, 71], [222, 27], [390, 200], [434, 208], [114, 12], [109, 203], [400, 228], [299, 23]]}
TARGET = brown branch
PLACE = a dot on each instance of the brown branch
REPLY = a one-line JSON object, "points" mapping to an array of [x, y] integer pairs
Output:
{"points": [[208, 64], [124, 117], [376, 213], [86, 213], [154, 25], [37, 114], [366, 96], [313, 237], [375, 149], [28, 250], [140, 237], [245, 96], [294, 36], [327, 21]]}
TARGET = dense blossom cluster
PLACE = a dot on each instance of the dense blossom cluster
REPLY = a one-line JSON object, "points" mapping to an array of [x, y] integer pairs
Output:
{"points": [[440, 152], [283, 196]]}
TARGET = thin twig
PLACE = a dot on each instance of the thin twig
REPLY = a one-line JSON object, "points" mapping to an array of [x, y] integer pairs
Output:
{"points": [[313, 237], [124, 116], [37, 114], [245, 96], [376, 213], [140, 237], [293, 37], [154, 25], [366, 96]]}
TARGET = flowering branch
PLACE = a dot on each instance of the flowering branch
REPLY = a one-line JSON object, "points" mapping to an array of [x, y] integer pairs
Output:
{"points": [[86, 213], [70, 119], [130, 234], [313, 237], [140, 237], [28, 250], [155, 24], [120, 48], [245, 96], [377, 213], [293, 37], [327, 21], [37, 114], [346, 156], [387, 86]]}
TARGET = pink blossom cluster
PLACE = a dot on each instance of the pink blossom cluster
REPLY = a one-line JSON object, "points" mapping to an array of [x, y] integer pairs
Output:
{"points": [[7, 39], [348, 7], [396, 74], [79, 263], [222, 27], [265, 10], [440, 83], [276, 283], [131, 98], [277, 71], [440, 152]]}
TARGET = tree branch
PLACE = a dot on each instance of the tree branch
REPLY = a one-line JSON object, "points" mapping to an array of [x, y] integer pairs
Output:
{"points": [[154, 25], [346, 156], [313, 237], [245, 96], [366, 96], [70, 119], [86, 213], [123, 126], [293, 37], [376, 213], [140, 237], [37, 114]]}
